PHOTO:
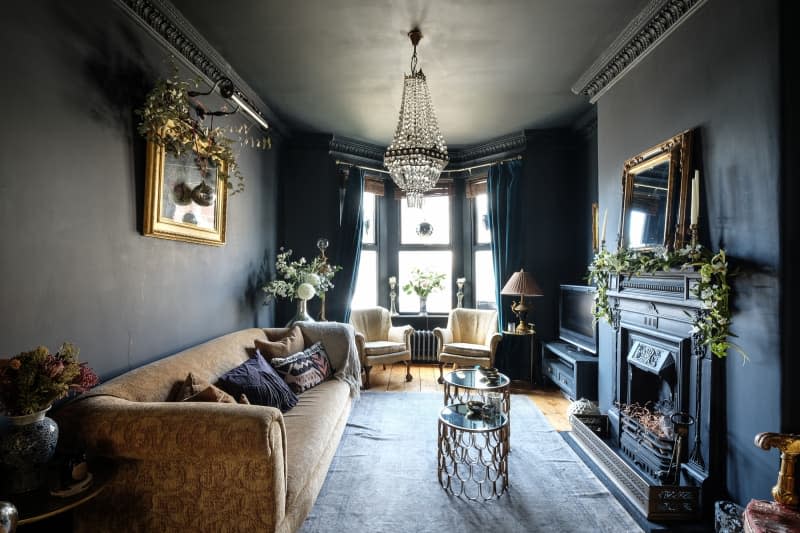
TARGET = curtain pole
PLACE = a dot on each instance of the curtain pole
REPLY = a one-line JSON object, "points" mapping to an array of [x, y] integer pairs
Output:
{"points": [[466, 169]]}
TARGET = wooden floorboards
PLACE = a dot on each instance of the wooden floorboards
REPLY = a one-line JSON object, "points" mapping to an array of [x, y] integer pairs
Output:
{"points": [[549, 400]]}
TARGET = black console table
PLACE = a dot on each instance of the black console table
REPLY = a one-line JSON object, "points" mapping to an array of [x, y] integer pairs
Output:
{"points": [[572, 370]]}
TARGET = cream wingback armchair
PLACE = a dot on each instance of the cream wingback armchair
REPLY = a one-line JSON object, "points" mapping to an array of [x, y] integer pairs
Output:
{"points": [[470, 338], [382, 343]]}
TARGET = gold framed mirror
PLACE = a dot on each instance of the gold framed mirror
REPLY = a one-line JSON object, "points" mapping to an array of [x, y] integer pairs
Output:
{"points": [[655, 191]]}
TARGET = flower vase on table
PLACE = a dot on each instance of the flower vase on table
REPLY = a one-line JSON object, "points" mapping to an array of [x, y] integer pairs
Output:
{"points": [[29, 384], [301, 315], [423, 305], [25, 449]]}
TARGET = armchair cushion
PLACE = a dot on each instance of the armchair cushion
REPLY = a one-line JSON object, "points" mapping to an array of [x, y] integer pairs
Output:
{"points": [[465, 348], [374, 323], [383, 347], [470, 337]]}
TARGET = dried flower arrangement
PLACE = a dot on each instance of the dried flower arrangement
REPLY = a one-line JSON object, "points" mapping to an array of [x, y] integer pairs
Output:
{"points": [[32, 381]]}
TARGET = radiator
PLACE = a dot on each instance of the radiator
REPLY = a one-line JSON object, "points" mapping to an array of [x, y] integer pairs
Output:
{"points": [[423, 346]]}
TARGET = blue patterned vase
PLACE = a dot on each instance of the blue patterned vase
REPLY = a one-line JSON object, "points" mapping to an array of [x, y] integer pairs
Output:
{"points": [[26, 447]]}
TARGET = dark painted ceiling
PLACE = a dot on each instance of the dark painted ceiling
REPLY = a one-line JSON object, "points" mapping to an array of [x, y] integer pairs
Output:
{"points": [[336, 66]]}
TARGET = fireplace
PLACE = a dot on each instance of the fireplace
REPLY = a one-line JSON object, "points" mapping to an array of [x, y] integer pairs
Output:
{"points": [[656, 440]]}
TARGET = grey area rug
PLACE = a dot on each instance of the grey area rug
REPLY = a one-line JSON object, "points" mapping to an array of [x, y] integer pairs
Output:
{"points": [[384, 477]]}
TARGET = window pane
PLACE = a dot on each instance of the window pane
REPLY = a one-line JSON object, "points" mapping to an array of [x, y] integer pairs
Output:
{"points": [[440, 261], [484, 280], [366, 293], [482, 233], [368, 201], [435, 211]]}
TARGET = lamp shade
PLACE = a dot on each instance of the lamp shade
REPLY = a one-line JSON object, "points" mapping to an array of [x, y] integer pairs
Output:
{"points": [[522, 283]]}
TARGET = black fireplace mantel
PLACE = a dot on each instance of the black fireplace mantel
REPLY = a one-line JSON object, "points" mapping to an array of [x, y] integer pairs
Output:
{"points": [[654, 354]]}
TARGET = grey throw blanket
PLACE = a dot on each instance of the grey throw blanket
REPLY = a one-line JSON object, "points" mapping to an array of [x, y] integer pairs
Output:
{"points": [[339, 340]]}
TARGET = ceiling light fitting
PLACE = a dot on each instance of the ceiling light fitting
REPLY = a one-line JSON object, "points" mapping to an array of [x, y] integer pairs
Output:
{"points": [[418, 153]]}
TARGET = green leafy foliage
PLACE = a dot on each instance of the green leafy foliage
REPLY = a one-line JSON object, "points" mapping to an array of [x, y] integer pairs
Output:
{"points": [[291, 274], [166, 119], [713, 289], [424, 282]]}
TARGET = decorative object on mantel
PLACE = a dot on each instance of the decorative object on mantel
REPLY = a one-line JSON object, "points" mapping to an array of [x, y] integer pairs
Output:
{"points": [[293, 275], [29, 384], [418, 153], [422, 283], [166, 120], [522, 284], [392, 295], [712, 288], [460, 293]]}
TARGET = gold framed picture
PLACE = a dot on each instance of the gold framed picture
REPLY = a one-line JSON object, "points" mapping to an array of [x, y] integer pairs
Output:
{"points": [[185, 198]]}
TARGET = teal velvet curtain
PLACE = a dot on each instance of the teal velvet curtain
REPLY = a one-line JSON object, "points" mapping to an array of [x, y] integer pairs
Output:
{"points": [[503, 192], [348, 250]]}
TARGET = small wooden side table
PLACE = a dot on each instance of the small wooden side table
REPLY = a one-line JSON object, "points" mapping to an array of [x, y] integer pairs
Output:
{"points": [[40, 504]]}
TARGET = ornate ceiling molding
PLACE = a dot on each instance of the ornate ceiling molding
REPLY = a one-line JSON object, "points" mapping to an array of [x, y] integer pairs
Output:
{"points": [[355, 152], [494, 150], [649, 28], [164, 22], [364, 154]]}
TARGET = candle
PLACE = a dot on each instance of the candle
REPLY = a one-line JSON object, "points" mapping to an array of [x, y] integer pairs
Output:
{"points": [[605, 219], [695, 211]]}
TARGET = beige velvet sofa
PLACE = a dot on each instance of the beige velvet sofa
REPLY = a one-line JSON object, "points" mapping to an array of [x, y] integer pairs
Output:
{"points": [[206, 466]]}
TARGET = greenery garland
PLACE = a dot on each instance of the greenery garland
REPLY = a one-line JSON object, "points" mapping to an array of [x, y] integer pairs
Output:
{"points": [[166, 120], [713, 289]]}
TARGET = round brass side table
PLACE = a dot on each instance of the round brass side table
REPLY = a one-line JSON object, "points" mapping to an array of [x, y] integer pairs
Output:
{"points": [[473, 453]]}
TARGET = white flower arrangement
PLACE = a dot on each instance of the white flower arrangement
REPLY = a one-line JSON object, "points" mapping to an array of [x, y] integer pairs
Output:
{"points": [[306, 291], [291, 275]]}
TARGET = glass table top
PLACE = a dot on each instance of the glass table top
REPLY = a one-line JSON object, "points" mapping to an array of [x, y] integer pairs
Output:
{"points": [[475, 378], [459, 416]]}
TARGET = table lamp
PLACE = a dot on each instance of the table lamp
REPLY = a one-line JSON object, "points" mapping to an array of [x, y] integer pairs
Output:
{"points": [[521, 284]]}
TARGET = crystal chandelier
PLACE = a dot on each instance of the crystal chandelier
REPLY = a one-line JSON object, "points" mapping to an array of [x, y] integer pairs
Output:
{"points": [[418, 153]]}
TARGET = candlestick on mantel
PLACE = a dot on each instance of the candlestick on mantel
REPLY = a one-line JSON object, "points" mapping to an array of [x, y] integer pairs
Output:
{"points": [[695, 211], [605, 219]]}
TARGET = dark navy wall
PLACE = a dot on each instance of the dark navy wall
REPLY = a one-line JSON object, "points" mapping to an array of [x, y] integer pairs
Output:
{"points": [[556, 204], [74, 263], [310, 207], [719, 72]]}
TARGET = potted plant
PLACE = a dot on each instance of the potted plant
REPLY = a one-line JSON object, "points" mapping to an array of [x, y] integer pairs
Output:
{"points": [[422, 283]]}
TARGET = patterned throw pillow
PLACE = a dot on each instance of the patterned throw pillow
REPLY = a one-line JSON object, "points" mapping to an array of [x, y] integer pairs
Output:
{"points": [[257, 380], [284, 346], [305, 369]]}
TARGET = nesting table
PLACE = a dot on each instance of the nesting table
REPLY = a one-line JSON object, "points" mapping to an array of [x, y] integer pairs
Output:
{"points": [[473, 446]]}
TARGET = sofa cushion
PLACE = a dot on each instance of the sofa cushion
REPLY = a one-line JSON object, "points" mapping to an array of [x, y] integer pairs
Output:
{"points": [[284, 346], [305, 369], [257, 380], [193, 389], [383, 347]]}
